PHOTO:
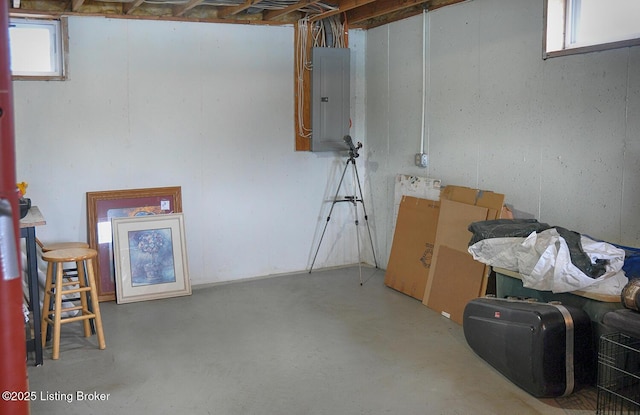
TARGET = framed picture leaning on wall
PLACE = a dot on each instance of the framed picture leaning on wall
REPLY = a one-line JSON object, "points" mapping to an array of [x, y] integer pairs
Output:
{"points": [[150, 258], [103, 206]]}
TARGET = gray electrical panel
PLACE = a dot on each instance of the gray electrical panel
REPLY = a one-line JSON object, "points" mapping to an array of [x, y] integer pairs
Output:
{"points": [[330, 92]]}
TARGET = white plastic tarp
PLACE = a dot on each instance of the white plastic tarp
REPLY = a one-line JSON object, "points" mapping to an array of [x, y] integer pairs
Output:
{"points": [[544, 262]]}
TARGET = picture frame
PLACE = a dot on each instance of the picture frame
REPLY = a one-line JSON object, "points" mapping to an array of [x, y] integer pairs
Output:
{"points": [[102, 206], [150, 257]]}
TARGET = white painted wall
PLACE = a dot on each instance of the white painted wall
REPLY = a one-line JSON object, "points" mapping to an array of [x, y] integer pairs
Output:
{"points": [[208, 107], [560, 138]]}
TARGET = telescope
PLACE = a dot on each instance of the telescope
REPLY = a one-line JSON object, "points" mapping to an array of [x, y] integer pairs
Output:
{"points": [[353, 149]]}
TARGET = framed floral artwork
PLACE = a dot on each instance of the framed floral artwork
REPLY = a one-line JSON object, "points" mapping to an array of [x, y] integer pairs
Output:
{"points": [[103, 206], [150, 257]]}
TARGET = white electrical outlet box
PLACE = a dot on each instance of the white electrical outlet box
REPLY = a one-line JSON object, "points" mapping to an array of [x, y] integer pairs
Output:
{"points": [[422, 159]]}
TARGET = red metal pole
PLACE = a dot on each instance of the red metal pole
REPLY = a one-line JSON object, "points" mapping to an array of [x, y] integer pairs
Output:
{"points": [[13, 367]]}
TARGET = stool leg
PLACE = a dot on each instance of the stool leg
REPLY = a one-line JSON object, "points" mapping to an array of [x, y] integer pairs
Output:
{"points": [[92, 323], [82, 282], [46, 303], [95, 304], [58, 313]]}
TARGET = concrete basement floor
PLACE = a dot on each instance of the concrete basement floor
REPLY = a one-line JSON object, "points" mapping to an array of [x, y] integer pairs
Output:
{"points": [[295, 344]]}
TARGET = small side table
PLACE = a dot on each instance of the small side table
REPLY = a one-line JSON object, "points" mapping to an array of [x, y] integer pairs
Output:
{"points": [[28, 231]]}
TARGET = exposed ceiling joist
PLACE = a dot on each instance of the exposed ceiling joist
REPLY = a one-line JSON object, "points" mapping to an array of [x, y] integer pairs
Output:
{"points": [[181, 9], [343, 6], [225, 12], [274, 14], [130, 7], [362, 14], [76, 4], [379, 8]]}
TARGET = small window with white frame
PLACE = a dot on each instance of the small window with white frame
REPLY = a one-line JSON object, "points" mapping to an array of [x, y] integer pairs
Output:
{"points": [[38, 48], [579, 26]]}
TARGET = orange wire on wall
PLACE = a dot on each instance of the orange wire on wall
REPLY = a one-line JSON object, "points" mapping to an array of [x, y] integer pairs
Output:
{"points": [[346, 30]]}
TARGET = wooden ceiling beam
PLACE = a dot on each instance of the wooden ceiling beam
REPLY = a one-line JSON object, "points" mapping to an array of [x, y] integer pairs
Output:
{"points": [[436, 4], [360, 14], [343, 6], [380, 8], [181, 9], [233, 10], [128, 8], [399, 14], [274, 14], [76, 4]]}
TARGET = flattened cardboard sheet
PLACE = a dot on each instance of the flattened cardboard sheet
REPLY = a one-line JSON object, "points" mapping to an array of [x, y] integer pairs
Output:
{"points": [[412, 248], [457, 279], [414, 186], [453, 232]]}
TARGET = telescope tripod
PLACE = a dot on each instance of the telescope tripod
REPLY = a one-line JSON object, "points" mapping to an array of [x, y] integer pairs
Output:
{"points": [[353, 200]]}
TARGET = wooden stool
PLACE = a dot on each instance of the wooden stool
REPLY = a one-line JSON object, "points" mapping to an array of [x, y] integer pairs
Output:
{"points": [[69, 273], [85, 286]]}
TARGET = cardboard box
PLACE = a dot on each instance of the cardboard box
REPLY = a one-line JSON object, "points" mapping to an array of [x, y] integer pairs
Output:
{"points": [[412, 248]]}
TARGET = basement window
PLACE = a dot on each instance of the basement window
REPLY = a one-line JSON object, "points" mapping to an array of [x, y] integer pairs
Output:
{"points": [[579, 26], [38, 48]]}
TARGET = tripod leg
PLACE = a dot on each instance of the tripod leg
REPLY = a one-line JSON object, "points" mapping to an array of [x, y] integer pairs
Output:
{"points": [[320, 243], [355, 208], [335, 198], [366, 217]]}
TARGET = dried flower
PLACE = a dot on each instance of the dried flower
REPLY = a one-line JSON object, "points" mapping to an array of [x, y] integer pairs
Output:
{"points": [[22, 188]]}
